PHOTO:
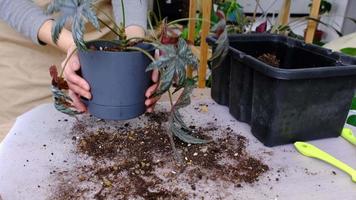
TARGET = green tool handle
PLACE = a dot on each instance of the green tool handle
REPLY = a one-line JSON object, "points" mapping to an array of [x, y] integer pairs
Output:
{"points": [[348, 135], [314, 152]]}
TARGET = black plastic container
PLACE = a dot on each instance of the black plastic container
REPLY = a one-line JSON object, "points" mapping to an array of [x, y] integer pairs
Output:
{"points": [[220, 78], [118, 81], [307, 97]]}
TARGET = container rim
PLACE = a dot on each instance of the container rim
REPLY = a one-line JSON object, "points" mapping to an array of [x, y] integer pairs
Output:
{"points": [[147, 47], [342, 68]]}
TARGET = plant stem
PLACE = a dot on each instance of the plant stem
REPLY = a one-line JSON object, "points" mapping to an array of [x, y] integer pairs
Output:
{"points": [[159, 10], [123, 13], [150, 13], [177, 156], [107, 16], [188, 19], [143, 51], [254, 15], [170, 98], [151, 27], [66, 62], [107, 25], [140, 38]]}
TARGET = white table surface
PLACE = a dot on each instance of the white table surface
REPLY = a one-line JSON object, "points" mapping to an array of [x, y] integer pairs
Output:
{"points": [[26, 151]]}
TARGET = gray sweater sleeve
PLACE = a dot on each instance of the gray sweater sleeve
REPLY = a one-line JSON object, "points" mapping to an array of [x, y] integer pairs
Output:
{"points": [[135, 11], [27, 18], [24, 16]]}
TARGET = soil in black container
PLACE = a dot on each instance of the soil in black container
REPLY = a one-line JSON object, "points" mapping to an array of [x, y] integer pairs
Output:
{"points": [[270, 59], [136, 162]]}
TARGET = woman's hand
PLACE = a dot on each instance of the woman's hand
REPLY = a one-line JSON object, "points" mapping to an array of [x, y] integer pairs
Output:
{"points": [[151, 101], [77, 85]]}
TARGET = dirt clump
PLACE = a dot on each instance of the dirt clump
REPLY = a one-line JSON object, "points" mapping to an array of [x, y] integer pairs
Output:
{"points": [[270, 59]]}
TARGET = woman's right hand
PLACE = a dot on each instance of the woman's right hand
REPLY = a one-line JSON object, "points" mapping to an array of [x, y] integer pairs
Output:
{"points": [[77, 85]]}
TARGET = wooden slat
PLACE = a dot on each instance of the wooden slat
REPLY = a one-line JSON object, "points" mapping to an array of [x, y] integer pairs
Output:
{"points": [[191, 29], [284, 14], [207, 5], [314, 13]]}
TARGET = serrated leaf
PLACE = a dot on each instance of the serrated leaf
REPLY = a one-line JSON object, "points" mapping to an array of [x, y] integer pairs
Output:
{"points": [[90, 15], [177, 125], [351, 120], [57, 28], [172, 64], [75, 11], [165, 83], [221, 50], [186, 55], [222, 43], [78, 28], [62, 102]]}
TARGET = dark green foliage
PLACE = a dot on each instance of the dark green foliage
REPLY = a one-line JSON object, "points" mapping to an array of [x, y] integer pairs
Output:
{"points": [[62, 102], [351, 120], [177, 125], [172, 64], [353, 104], [78, 11], [222, 43]]}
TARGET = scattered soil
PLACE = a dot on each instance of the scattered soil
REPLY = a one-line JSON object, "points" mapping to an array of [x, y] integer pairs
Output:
{"points": [[270, 59], [131, 161]]}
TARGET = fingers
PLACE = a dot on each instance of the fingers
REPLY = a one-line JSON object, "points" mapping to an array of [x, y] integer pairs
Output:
{"points": [[151, 109], [78, 90], [75, 82], [155, 76], [77, 103], [151, 90], [150, 103]]}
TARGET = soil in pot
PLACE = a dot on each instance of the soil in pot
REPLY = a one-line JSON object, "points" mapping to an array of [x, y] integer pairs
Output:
{"points": [[136, 162], [270, 59]]}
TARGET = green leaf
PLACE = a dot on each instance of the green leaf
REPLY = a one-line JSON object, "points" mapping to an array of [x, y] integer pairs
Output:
{"points": [[75, 11], [172, 64], [62, 102], [349, 51], [221, 50], [177, 125], [353, 104], [165, 82], [351, 120], [57, 28]]}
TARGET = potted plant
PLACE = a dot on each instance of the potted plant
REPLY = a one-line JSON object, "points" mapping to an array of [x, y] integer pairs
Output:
{"points": [[102, 58]]}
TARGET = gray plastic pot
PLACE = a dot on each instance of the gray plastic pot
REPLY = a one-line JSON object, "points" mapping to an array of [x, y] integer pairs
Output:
{"points": [[118, 81]]}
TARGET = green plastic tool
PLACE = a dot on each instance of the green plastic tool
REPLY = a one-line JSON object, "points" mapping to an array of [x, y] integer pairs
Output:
{"points": [[312, 151], [348, 135]]}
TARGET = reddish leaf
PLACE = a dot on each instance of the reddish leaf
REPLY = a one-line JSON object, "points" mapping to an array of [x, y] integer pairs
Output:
{"points": [[169, 35], [57, 81], [54, 74], [262, 27]]}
